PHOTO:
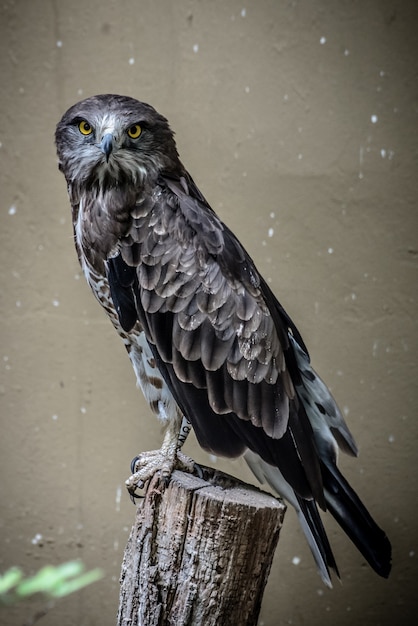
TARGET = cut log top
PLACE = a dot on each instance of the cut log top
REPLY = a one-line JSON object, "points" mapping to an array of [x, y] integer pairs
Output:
{"points": [[199, 553]]}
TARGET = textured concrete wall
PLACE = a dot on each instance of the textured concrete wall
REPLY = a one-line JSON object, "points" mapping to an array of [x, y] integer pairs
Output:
{"points": [[298, 120]]}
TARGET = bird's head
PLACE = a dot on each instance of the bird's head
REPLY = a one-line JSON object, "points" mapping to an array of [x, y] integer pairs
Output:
{"points": [[108, 140]]}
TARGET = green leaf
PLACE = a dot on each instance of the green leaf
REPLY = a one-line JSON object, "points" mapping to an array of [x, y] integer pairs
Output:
{"points": [[53, 582], [41, 581], [10, 579], [70, 586]]}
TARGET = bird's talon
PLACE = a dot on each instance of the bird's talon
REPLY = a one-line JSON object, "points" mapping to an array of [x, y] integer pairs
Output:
{"points": [[144, 466], [135, 496], [133, 464], [198, 470]]}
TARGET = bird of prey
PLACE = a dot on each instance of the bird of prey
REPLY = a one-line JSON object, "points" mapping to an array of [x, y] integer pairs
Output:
{"points": [[208, 340]]}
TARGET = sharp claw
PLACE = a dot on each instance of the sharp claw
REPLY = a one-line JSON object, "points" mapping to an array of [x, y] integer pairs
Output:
{"points": [[133, 463], [132, 489], [134, 496], [198, 470]]}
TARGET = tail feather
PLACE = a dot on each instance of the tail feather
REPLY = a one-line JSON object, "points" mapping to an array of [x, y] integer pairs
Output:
{"points": [[306, 510], [314, 531], [343, 504], [331, 433], [353, 517]]}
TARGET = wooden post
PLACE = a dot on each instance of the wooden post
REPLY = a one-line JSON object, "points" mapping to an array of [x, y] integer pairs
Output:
{"points": [[199, 553]]}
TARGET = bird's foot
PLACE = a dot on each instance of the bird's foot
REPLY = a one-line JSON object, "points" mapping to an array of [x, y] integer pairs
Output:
{"points": [[146, 464]]}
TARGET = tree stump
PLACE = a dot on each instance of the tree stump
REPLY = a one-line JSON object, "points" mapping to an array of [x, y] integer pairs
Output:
{"points": [[199, 553]]}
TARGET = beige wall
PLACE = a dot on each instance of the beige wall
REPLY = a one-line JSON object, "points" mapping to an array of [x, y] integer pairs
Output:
{"points": [[277, 129]]}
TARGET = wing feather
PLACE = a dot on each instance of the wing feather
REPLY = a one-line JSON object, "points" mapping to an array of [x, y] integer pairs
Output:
{"points": [[218, 333]]}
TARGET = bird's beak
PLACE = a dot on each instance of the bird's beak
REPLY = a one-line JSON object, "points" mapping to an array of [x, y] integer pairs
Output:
{"points": [[106, 145]]}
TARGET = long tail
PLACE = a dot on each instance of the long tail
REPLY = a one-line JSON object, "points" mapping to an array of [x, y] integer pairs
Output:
{"points": [[306, 511], [353, 517], [345, 506]]}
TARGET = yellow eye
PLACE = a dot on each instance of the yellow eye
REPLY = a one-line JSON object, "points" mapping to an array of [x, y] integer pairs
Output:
{"points": [[85, 128], [134, 131]]}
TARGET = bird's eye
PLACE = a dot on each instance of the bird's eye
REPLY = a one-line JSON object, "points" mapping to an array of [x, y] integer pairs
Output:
{"points": [[134, 131], [85, 128]]}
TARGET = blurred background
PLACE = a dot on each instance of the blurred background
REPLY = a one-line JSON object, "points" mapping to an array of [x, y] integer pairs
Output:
{"points": [[298, 121]]}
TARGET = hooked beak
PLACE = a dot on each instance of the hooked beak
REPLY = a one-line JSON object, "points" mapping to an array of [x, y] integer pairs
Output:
{"points": [[106, 145]]}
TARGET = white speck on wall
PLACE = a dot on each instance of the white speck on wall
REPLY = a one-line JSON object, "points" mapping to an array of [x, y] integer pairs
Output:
{"points": [[391, 439], [196, 48], [18, 304], [118, 497], [346, 52], [296, 560], [55, 303], [79, 92], [330, 250], [361, 159], [247, 89], [300, 156], [12, 210], [83, 410], [323, 40], [243, 12], [411, 553], [55, 417], [383, 153], [36, 539], [131, 61], [272, 215], [373, 119], [346, 410], [270, 232], [59, 43], [213, 458]]}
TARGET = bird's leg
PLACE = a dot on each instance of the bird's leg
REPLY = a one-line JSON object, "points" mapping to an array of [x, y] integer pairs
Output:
{"points": [[164, 460]]}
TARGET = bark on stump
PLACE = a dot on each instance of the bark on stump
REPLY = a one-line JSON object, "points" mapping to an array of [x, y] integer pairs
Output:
{"points": [[199, 553]]}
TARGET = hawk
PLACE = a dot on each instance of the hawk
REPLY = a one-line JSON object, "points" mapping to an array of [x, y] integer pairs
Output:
{"points": [[208, 340]]}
